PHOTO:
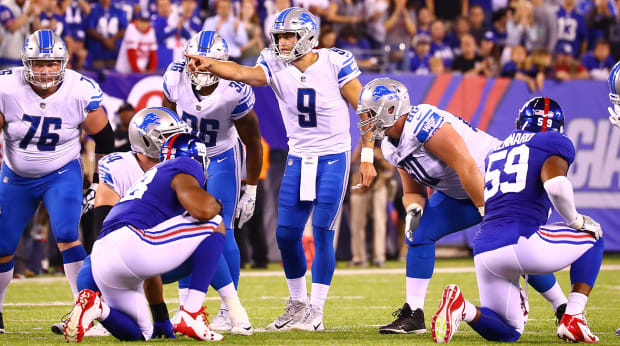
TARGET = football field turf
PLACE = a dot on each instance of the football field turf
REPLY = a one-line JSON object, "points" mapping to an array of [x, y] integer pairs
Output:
{"points": [[359, 301]]}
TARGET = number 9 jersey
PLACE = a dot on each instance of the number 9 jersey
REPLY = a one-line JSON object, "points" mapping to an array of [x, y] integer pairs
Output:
{"points": [[42, 135], [516, 203]]}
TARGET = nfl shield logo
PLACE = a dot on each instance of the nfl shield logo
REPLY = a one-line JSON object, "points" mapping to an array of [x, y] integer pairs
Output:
{"points": [[198, 108], [303, 79], [42, 105]]}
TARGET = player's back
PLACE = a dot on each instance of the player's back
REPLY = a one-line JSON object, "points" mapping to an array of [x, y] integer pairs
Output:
{"points": [[151, 200], [120, 171], [516, 203]]}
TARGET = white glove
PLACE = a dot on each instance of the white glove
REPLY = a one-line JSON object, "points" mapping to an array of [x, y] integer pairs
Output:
{"points": [[614, 115], [586, 224], [88, 202], [245, 208], [412, 220]]}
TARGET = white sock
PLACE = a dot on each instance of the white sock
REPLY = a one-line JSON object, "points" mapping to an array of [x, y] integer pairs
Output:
{"points": [[194, 300], [576, 303], [470, 311], [183, 295], [297, 289], [555, 296], [105, 311], [416, 292], [5, 278], [236, 312], [71, 272], [318, 295]]}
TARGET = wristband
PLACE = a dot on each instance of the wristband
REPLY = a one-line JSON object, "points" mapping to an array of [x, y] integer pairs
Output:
{"points": [[159, 312], [250, 190], [368, 155], [481, 211]]}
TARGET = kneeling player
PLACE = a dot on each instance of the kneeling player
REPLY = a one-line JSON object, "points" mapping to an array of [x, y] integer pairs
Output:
{"points": [[525, 175], [166, 219]]}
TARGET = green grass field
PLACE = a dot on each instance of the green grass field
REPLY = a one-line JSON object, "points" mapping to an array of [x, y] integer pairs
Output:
{"points": [[358, 303]]}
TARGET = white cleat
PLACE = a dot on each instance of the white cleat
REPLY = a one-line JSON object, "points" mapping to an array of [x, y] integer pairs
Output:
{"points": [[242, 328], [312, 321], [195, 326], [575, 328], [295, 311], [97, 330], [87, 308], [449, 315], [221, 321]]}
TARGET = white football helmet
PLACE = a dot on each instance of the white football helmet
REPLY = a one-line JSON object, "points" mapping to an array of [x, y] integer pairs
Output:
{"points": [[150, 127], [298, 21], [614, 84], [209, 44], [44, 45], [385, 100]]}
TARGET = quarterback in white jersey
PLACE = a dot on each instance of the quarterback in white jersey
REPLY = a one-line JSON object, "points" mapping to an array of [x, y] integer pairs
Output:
{"points": [[43, 108], [435, 149], [313, 88]]}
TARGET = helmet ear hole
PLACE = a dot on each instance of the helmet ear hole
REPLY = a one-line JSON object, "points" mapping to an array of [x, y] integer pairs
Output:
{"points": [[146, 143]]}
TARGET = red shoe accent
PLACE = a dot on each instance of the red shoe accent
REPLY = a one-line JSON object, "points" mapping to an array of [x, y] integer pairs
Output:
{"points": [[575, 328]]}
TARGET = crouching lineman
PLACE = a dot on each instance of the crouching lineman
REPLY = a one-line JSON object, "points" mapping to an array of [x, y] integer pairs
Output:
{"points": [[164, 220], [525, 175], [436, 149]]}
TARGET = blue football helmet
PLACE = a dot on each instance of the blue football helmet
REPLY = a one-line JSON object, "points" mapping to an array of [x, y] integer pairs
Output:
{"points": [[541, 114], [614, 84], [187, 145]]}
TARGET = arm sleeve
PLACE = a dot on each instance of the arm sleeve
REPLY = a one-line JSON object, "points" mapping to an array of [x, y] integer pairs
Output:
{"points": [[245, 103], [105, 172], [132, 56], [560, 192], [92, 96], [427, 122], [171, 79], [346, 67], [262, 61]]}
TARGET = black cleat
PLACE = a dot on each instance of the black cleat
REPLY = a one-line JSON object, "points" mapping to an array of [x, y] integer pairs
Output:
{"points": [[559, 312], [406, 322], [59, 328], [1, 324]]}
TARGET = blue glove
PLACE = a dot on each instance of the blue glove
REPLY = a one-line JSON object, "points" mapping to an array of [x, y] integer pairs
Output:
{"points": [[163, 329]]}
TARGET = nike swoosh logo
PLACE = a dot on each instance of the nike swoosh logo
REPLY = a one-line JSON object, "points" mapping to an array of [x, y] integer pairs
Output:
{"points": [[220, 160], [332, 162], [120, 142], [282, 325], [247, 328], [317, 326], [63, 171]]}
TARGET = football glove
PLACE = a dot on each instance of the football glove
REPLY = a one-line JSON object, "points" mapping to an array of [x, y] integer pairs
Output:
{"points": [[245, 209], [614, 115], [412, 219], [163, 329], [88, 202], [586, 224]]}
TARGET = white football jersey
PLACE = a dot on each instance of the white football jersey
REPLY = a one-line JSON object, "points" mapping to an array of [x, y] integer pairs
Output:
{"points": [[315, 114], [410, 154], [120, 171], [42, 135], [210, 117], [142, 42]]}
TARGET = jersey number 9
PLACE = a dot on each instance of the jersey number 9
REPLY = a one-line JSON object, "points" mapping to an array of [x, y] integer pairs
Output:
{"points": [[306, 105]]}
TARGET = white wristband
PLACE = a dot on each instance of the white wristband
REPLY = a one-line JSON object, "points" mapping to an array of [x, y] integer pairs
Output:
{"points": [[481, 211], [368, 155], [250, 190]]}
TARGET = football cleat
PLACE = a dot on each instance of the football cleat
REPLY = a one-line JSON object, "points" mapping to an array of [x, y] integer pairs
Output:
{"points": [[242, 328], [195, 325], [87, 308], [2, 331], [575, 328], [525, 305], [559, 312], [97, 330], [59, 328], [175, 319], [449, 315], [407, 322], [221, 321], [312, 321], [295, 311]]}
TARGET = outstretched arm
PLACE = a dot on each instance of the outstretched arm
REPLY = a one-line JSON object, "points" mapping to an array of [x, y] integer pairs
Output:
{"points": [[254, 76]]}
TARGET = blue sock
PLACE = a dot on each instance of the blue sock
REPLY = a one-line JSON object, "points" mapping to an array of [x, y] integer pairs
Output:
{"points": [[85, 278], [5, 267], [324, 256], [585, 269], [206, 259], [492, 327], [222, 274], [292, 251], [421, 261], [232, 259], [541, 283], [73, 254], [122, 326]]}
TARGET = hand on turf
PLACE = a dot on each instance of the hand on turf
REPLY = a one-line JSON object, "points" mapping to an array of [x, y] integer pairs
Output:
{"points": [[412, 220], [163, 329], [88, 202]]}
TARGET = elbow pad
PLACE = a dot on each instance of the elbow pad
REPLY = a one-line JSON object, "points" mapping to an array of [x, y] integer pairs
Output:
{"points": [[104, 140], [560, 192]]}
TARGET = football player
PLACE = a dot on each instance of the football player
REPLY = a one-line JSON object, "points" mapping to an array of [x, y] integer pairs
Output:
{"points": [[436, 149], [313, 88], [43, 108], [525, 176], [220, 112], [167, 213], [614, 97]]}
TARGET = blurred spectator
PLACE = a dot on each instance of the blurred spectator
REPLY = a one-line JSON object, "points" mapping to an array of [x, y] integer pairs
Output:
{"points": [[351, 40], [546, 24], [519, 67], [16, 21], [346, 13], [319, 8], [448, 9], [603, 17], [138, 51], [477, 22], [489, 54], [572, 27], [121, 137], [75, 13], [280, 5], [439, 48], [106, 26], [500, 20], [249, 19], [374, 19], [437, 65], [599, 62], [50, 19], [521, 29], [399, 30], [566, 67], [468, 62], [541, 63], [425, 18], [229, 27], [461, 27], [487, 9], [173, 30], [130, 7], [420, 55], [327, 37]]}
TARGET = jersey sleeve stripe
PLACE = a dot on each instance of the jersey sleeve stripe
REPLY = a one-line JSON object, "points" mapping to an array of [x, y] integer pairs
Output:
{"points": [[422, 120], [346, 71], [166, 92], [266, 67], [241, 108]]}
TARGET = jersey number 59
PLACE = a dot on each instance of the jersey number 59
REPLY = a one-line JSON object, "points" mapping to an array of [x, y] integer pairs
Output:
{"points": [[515, 167]]}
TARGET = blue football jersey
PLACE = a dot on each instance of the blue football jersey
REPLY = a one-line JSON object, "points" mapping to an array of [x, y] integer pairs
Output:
{"points": [[516, 203], [572, 29], [151, 200]]}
